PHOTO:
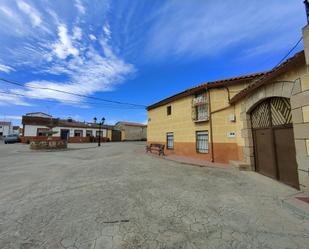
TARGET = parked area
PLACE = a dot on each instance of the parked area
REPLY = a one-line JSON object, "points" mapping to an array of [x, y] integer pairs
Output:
{"points": [[117, 196]]}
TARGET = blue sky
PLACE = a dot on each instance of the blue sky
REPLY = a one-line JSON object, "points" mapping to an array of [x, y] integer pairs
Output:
{"points": [[133, 51]]}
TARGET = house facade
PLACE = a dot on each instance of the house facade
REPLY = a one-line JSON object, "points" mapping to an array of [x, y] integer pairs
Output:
{"points": [[132, 131], [6, 128], [259, 122], [36, 126]]}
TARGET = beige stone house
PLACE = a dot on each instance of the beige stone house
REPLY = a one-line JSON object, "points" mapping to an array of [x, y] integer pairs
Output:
{"points": [[259, 122], [132, 131]]}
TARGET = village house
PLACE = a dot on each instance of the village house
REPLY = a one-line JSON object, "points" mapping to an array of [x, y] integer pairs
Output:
{"points": [[35, 126], [132, 131], [256, 122], [6, 128]]}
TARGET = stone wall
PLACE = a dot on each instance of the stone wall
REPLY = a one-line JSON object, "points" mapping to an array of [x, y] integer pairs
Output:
{"points": [[300, 106]]}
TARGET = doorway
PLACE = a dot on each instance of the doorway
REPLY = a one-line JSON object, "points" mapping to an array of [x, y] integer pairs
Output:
{"points": [[273, 139]]}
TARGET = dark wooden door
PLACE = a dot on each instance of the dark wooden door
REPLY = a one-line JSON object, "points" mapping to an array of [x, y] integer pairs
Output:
{"points": [[264, 153], [286, 156], [116, 135], [273, 137]]}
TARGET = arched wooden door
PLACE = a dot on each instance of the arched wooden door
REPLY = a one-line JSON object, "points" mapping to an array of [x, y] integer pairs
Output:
{"points": [[273, 138]]}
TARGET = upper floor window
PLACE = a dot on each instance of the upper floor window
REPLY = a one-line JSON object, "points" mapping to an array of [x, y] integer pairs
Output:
{"points": [[169, 110], [200, 107]]}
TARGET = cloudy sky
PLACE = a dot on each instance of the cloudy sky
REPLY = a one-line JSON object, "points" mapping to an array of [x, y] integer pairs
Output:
{"points": [[132, 51]]}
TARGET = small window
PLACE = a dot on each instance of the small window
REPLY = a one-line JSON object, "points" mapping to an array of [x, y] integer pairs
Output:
{"points": [[88, 133], [42, 132], [169, 110], [78, 133], [170, 140], [202, 141]]}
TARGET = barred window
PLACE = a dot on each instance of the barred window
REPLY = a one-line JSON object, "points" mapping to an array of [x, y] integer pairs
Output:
{"points": [[170, 140], [78, 133], [202, 141]]}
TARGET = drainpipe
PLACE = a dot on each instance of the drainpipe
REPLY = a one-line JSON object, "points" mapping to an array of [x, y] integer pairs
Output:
{"points": [[210, 127]]}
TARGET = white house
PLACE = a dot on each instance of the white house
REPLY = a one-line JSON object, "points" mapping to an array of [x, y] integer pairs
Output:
{"points": [[35, 126], [6, 128]]}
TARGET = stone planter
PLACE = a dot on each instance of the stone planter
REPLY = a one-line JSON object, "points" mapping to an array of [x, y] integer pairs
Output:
{"points": [[48, 145]]}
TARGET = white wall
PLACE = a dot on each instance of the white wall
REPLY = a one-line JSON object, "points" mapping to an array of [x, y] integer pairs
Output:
{"points": [[6, 129], [31, 130]]}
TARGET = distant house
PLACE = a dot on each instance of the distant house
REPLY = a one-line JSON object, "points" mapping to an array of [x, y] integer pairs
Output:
{"points": [[35, 126], [6, 128], [132, 131]]}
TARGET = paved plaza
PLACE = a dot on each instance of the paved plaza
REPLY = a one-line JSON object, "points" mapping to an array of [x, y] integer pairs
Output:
{"points": [[116, 196]]}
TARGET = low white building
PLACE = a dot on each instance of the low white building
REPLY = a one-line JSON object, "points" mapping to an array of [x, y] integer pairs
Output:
{"points": [[35, 126], [6, 128]]}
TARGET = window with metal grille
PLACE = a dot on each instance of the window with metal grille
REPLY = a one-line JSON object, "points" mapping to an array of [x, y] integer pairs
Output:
{"points": [[170, 140], [88, 133], [202, 112], [78, 133], [202, 141]]}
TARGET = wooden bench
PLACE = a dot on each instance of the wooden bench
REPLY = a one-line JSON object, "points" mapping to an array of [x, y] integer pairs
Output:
{"points": [[156, 147]]}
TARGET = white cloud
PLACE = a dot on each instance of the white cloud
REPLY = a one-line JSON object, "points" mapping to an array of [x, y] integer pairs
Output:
{"points": [[200, 28], [8, 100], [77, 33], [6, 69], [79, 5], [33, 14], [12, 117], [8, 12], [92, 37], [107, 31], [64, 47]]}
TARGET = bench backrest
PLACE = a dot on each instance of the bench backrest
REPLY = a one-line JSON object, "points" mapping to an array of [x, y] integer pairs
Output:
{"points": [[157, 145]]}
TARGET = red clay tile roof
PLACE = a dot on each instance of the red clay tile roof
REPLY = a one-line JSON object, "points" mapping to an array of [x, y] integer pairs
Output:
{"points": [[30, 120], [298, 58], [211, 84], [130, 124], [5, 123]]}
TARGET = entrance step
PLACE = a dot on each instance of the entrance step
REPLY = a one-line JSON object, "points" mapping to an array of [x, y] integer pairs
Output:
{"points": [[298, 203], [242, 166]]}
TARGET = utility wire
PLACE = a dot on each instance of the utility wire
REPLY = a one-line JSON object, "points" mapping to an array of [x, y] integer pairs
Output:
{"points": [[289, 52], [70, 101], [71, 93], [279, 63]]}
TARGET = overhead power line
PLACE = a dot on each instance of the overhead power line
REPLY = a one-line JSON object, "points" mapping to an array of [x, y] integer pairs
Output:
{"points": [[107, 105], [289, 52], [280, 62], [72, 93]]}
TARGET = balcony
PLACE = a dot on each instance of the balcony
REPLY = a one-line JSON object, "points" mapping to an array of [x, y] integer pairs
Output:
{"points": [[200, 108], [200, 100], [200, 118]]}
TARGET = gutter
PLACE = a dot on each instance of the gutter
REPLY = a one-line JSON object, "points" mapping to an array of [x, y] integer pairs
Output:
{"points": [[210, 127]]}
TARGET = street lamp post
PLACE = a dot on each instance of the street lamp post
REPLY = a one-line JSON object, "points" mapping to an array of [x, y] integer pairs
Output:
{"points": [[100, 125], [306, 2]]}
